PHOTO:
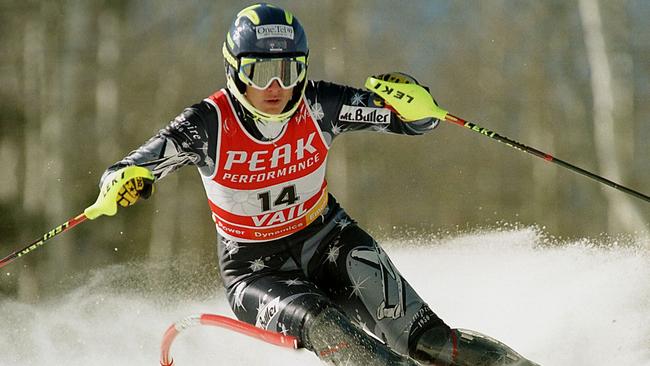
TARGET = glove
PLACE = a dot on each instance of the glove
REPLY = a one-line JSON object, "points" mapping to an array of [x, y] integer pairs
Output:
{"points": [[410, 100], [124, 187], [134, 189]]}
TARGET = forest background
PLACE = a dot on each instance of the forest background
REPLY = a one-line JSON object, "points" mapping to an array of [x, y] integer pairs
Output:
{"points": [[83, 82]]}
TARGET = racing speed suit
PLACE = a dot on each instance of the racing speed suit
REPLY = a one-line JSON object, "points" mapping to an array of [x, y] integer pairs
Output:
{"points": [[288, 252]]}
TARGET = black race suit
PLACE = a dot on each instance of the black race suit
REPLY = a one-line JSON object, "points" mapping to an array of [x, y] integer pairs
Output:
{"points": [[332, 262]]}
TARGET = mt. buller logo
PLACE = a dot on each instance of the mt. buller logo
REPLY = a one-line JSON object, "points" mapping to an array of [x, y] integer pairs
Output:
{"points": [[364, 114]]}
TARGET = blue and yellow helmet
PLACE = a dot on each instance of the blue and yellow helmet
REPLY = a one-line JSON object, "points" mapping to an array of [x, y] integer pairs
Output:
{"points": [[265, 43]]}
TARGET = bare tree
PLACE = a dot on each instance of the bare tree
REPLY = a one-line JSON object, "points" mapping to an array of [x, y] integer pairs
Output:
{"points": [[34, 88], [622, 212]]}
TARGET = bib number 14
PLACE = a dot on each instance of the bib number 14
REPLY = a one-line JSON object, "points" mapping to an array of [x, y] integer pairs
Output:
{"points": [[286, 197]]}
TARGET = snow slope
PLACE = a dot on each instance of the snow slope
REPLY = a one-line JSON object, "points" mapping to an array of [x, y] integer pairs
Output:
{"points": [[571, 303]]}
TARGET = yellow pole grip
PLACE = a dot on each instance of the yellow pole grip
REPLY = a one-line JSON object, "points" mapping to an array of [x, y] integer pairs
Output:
{"points": [[412, 101], [106, 203]]}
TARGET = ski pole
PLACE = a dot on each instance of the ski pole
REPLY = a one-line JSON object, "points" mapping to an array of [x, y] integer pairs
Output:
{"points": [[106, 204], [402, 95], [540, 154], [47, 236]]}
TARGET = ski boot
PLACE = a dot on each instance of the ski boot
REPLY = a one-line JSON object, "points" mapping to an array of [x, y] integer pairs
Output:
{"points": [[466, 348], [336, 341]]}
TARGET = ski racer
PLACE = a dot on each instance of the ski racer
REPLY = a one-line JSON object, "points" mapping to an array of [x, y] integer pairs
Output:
{"points": [[291, 258]]}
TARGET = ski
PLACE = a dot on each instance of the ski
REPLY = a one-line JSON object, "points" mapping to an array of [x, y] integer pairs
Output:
{"points": [[221, 321]]}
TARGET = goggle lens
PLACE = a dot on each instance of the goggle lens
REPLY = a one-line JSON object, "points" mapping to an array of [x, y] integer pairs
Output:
{"points": [[260, 73]]}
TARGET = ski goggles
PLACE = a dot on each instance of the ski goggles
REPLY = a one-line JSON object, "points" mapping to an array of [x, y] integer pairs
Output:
{"points": [[260, 73]]}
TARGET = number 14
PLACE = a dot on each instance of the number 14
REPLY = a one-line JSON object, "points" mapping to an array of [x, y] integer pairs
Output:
{"points": [[286, 197]]}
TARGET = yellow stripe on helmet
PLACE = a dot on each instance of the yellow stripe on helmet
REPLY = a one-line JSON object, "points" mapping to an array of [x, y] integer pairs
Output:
{"points": [[288, 17], [229, 58], [250, 13]]}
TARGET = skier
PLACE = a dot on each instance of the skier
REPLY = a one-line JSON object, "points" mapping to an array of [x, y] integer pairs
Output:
{"points": [[291, 258]]}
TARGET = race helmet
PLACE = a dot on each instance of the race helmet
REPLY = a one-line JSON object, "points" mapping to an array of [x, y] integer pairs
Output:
{"points": [[266, 43]]}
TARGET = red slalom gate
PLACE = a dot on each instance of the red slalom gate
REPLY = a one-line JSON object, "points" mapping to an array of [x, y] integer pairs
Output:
{"points": [[175, 329]]}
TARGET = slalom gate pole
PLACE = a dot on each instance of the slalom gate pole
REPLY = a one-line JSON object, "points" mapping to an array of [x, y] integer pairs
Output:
{"points": [[221, 321], [540, 154], [47, 236]]}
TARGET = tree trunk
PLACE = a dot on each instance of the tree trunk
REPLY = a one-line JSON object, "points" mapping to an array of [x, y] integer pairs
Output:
{"points": [[34, 164], [335, 64], [622, 213]]}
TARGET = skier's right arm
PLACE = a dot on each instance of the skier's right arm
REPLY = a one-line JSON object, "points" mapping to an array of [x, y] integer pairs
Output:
{"points": [[186, 140]]}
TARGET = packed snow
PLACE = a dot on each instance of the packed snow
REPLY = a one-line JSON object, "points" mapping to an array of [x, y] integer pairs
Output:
{"points": [[581, 302]]}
